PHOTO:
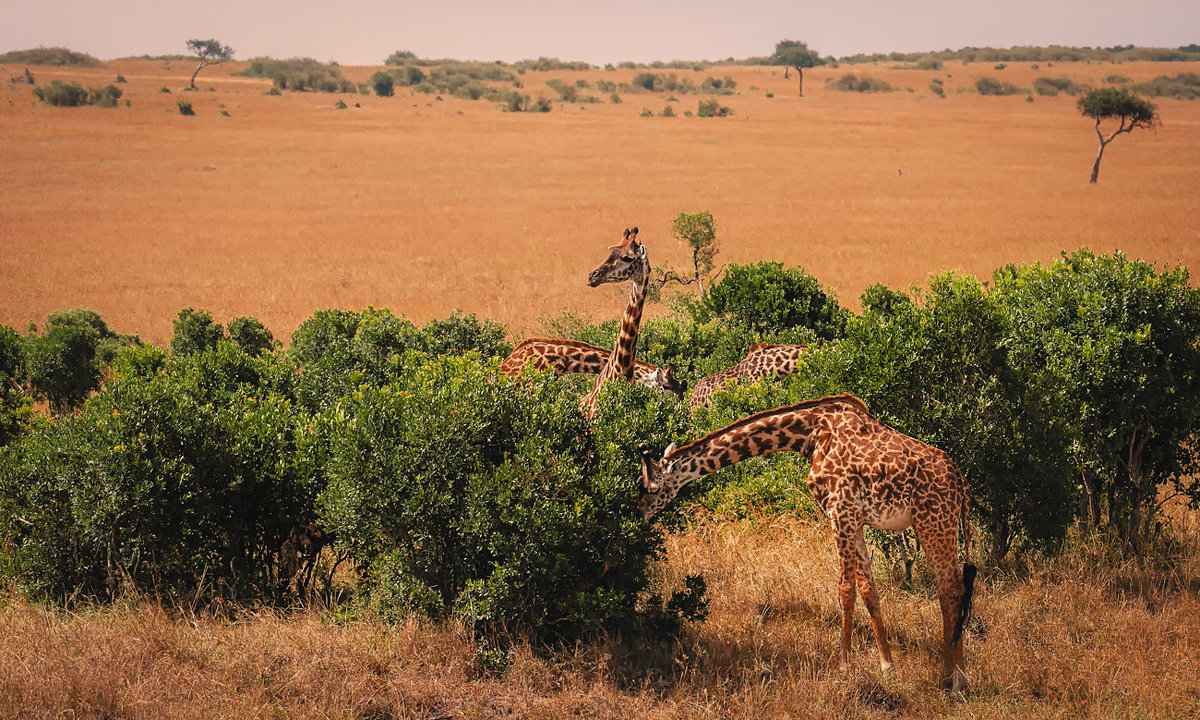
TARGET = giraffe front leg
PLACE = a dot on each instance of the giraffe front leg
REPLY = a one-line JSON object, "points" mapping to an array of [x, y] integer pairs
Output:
{"points": [[870, 596]]}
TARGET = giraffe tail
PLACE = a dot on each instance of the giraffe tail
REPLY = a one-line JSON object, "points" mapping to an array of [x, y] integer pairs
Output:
{"points": [[964, 607], [968, 572]]}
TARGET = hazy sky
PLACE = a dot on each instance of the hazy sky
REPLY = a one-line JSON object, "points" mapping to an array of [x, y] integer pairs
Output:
{"points": [[356, 32]]}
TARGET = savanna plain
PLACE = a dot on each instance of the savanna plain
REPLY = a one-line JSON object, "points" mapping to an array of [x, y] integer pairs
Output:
{"points": [[277, 206]]}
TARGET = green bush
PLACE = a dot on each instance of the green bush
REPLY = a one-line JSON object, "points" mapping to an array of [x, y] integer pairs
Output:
{"points": [[383, 84], [712, 108], [180, 482], [185, 107], [300, 74], [62, 94], [937, 88], [455, 493], [251, 335], [15, 409], [50, 56], [194, 331], [1184, 86], [65, 361], [992, 86], [850, 82], [1053, 86], [768, 298], [106, 96]]}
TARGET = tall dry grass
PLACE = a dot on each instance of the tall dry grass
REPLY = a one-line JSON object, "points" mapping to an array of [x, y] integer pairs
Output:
{"points": [[423, 206], [1088, 633]]}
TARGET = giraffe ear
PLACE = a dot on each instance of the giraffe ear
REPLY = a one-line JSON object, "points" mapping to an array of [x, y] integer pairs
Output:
{"points": [[670, 449]]}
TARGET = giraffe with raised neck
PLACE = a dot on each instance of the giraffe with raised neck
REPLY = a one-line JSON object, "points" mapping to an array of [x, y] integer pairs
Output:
{"points": [[762, 360], [863, 473], [626, 261], [572, 356]]}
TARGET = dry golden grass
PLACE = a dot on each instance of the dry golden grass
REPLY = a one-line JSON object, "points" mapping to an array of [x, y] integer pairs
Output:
{"points": [[1084, 635], [423, 206]]}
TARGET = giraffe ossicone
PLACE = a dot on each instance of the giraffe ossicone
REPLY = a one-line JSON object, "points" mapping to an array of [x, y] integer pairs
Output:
{"points": [[863, 473]]}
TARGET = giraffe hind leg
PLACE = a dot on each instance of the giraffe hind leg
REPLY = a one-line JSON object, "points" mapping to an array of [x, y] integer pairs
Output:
{"points": [[870, 596]]}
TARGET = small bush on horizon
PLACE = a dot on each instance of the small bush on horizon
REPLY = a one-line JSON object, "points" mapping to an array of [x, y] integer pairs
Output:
{"points": [[59, 56], [850, 82], [712, 108], [992, 86]]}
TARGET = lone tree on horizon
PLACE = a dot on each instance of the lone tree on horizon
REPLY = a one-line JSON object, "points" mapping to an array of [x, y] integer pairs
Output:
{"points": [[210, 52], [1116, 104], [795, 54]]}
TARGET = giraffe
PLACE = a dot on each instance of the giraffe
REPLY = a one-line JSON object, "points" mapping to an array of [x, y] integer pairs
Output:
{"points": [[762, 360], [573, 356], [626, 261], [863, 473]]}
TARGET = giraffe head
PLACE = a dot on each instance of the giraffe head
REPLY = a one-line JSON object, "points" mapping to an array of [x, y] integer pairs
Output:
{"points": [[660, 481], [665, 381], [626, 261]]}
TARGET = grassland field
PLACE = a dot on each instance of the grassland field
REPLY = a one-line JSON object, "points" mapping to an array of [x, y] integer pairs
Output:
{"points": [[286, 206], [421, 205]]}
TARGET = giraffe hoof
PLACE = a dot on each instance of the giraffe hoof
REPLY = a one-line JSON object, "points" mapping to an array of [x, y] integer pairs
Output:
{"points": [[887, 669]]}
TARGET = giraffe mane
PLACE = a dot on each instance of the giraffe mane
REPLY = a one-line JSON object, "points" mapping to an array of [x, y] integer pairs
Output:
{"points": [[803, 405]]}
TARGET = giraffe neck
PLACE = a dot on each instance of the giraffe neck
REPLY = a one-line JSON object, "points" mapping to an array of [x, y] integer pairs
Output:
{"points": [[622, 358], [621, 361], [805, 428], [782, 429]]}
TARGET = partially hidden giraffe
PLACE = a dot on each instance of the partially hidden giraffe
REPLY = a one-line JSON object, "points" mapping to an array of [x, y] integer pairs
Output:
{"points": [[626, 261], [863, 473], [761, 361], [572, 356]]}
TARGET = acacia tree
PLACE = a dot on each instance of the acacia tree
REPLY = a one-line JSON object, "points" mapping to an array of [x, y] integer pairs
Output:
{"points": [[1119, 104], [699, 231], [210, 52], [795, 54]]}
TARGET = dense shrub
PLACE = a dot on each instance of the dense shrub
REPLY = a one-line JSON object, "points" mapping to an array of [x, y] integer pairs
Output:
{"points": [[937, 87], [455, 493], [992, 86], [194, 331], [185, 107], [300, 74], [1053, 86], [1114, 344], [50, 56], [850, 82], [179, 481], [1184, 86], [65, 361], [382, 83], [340, 350], [767, 297], [15, 410], [712, 108], [251, 335], [62, 94]]}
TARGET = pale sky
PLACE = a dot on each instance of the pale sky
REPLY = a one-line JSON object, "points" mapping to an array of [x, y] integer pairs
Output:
{"points": [[364, 32]]}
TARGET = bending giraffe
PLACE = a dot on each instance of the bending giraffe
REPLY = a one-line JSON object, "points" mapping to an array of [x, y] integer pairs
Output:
{"points": [[863, 473], [572, 356], [626, 261], [761, 361]]}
